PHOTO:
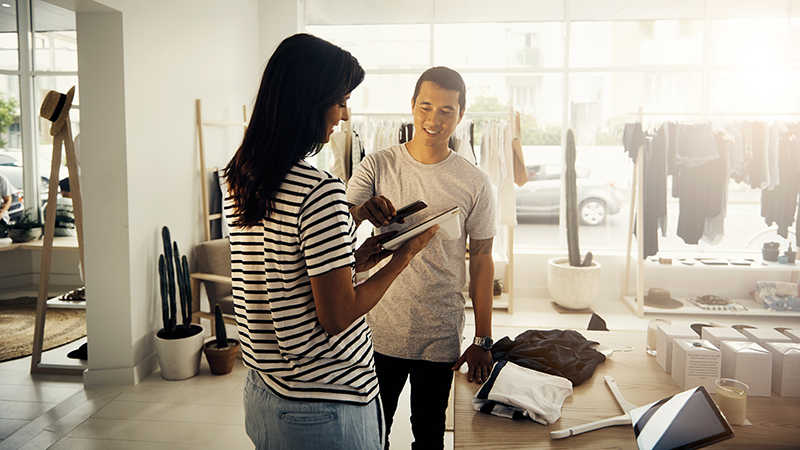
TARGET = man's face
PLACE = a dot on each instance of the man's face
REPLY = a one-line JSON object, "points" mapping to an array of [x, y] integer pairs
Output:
{"points": [[334, 115], [436, 114]]}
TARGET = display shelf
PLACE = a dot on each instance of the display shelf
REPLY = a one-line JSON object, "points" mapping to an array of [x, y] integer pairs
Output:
{"points": [[757, 265], [56, 302], [753, 309], [502, 301]]}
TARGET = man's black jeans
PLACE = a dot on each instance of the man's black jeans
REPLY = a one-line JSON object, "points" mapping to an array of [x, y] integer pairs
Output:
{"points": [[430, 390]]}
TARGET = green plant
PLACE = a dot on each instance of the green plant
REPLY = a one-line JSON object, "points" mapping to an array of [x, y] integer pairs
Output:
{"points": [[222, 335], [9, 115], [571, 187], [167, 276], [25, 222]]}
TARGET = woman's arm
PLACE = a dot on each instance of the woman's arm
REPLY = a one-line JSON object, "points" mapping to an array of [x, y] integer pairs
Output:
{"points": [[339, 304]]}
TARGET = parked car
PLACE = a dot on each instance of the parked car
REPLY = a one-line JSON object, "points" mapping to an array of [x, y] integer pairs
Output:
{"points": [[541, 195], [11, 168]]}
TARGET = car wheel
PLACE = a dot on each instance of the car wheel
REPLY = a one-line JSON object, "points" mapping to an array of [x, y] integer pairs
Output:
{"points": [[593, 211]]}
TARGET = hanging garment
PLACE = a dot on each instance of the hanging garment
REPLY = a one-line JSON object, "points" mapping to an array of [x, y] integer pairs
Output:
{"points": [[757, 172], [357, 151], [632, 139], [516, 392], [654, 182], [774, 133], [778, 205], [338, 144], [564, 353], [461, 141], [736, 153], [699, 198], [714, 227], [520, 171], [695, 145]]}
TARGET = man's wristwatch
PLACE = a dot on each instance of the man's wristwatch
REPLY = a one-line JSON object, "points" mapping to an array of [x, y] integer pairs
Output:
{"points": [[484, 342]]}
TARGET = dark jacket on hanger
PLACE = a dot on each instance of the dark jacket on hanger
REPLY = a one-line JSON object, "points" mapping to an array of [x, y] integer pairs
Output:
{"points": [[632, 139], [564, 353], [778, 205]]}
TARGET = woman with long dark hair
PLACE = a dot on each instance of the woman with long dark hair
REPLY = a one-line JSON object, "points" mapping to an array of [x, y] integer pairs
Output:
{"points": [[312, 382]]}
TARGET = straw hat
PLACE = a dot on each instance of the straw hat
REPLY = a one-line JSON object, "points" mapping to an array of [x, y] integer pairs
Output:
{"points": [[55, 107], [661, 298]]}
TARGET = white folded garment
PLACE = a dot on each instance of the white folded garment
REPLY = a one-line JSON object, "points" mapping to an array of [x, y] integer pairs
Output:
{"points": [[517, 392]]}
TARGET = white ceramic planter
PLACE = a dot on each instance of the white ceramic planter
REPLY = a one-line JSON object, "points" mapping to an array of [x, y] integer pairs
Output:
{"points": [[180, 358], [572, 287]]}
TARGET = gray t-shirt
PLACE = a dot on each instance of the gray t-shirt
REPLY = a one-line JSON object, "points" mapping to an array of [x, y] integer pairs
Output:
{"points": [[421, 316]]}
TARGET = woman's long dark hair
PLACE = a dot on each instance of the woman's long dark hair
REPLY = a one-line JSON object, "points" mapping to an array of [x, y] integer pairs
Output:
{"points": [[304, 77]]}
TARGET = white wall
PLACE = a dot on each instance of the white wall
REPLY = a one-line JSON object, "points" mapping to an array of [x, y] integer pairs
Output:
{"points": [[140, 72], [277, 19]]}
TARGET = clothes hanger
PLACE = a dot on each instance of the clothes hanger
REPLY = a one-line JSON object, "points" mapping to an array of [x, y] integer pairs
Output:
{"points": [[624, 419]]}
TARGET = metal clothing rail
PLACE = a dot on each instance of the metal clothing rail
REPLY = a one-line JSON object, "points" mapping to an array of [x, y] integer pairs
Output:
{"points": [[471, 115]]}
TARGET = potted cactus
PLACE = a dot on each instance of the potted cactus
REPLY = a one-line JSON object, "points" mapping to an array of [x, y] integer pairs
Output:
{"points": [[178, 344], [573, 282], [220, 351]]}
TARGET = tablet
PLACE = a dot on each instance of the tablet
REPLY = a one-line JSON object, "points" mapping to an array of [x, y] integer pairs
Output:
{"points": [[686, 420], [449, 222]]}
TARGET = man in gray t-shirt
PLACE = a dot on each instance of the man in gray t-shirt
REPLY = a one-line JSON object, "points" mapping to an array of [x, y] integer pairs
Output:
{"points": [[418, 324]]}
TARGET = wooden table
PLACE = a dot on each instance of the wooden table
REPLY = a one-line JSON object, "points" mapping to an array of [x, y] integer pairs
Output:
{"points": [[59, 243], [776, 420]]}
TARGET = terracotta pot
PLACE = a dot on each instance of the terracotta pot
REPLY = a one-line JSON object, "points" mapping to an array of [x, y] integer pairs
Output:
{"points": [[221, 360]]}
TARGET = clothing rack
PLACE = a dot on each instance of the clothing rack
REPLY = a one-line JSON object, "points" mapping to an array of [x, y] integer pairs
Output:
{"points": [[200, 123], [636, 302]]}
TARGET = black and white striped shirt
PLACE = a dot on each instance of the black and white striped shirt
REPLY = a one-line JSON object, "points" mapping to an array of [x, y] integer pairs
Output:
{"points": [[309, 233]]}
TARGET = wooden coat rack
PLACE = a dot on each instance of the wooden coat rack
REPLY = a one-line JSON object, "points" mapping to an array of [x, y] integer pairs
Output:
{"points": [[200, 123], [55, 108]]}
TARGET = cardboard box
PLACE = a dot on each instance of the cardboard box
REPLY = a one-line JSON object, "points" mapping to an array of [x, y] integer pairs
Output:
{"points": [[666, 335], [749, 363], [718, 334], [794, 334], [762, 336], [695, 362], [785, 368]]}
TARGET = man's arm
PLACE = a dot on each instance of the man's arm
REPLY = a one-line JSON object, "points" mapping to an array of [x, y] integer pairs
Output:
{"points": [[6, 205], [481, 279]]}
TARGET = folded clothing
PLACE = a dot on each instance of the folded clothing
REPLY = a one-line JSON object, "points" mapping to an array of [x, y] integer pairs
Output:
{"points": [[778, 295], [564, 353], [515, 392]]}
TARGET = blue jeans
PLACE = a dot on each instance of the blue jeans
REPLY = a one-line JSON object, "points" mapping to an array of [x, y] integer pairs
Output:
{"points": [[277, 423]]}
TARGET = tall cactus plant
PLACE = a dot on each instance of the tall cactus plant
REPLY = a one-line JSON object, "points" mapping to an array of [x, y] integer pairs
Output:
{"points": [[219, 324], [168, 274], [165, 237], [571, 185]]}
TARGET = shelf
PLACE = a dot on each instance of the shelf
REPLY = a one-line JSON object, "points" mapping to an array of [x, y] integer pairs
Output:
{"points": [[754, 309], [757, 265], [56, 302], [499, 302]]}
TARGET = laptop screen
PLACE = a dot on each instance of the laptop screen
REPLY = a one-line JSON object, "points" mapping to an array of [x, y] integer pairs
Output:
{"points": [[686, 420]]}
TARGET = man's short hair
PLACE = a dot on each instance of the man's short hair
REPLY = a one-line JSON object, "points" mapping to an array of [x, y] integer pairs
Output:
{"points": [[446, 78]]}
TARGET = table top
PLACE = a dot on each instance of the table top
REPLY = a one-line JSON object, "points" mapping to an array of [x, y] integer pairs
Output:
{"points": [[61, 242], [641, 381]]}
